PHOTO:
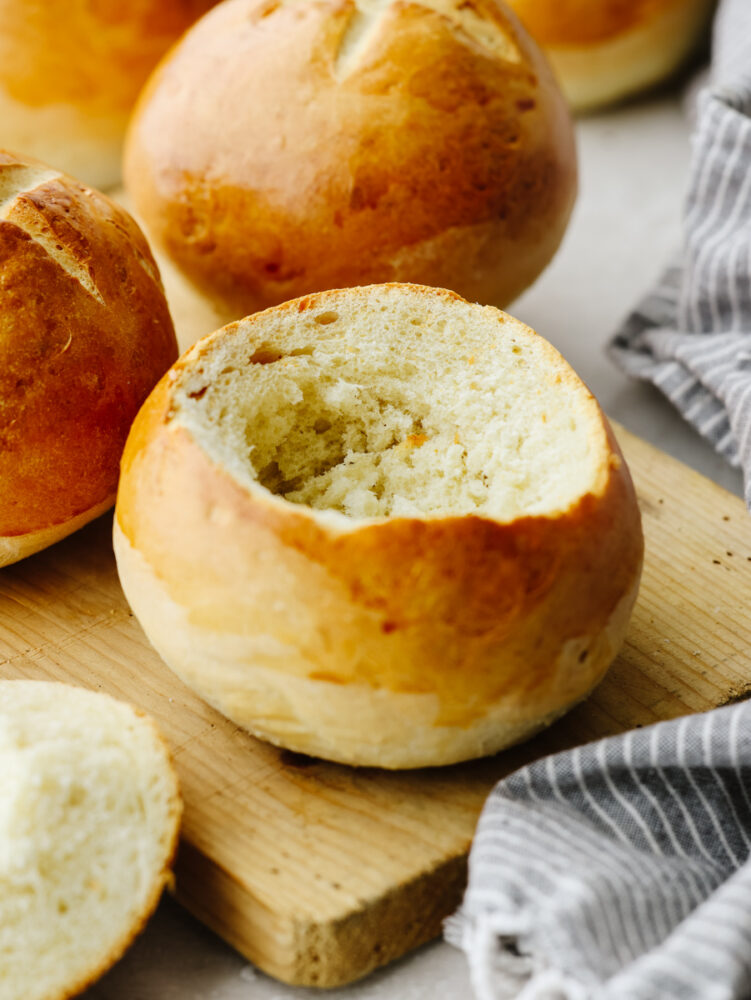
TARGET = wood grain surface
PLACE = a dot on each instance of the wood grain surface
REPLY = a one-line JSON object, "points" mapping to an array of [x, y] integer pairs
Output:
{"points": [[319, 873]]}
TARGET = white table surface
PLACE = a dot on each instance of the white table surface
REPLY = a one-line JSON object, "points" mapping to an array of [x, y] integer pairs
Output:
{"points": [[633, 170]]}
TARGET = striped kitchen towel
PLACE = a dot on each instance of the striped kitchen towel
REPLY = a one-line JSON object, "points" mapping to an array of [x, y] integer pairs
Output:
{"points": [[622, 870], [618, 871], [691, 336]]}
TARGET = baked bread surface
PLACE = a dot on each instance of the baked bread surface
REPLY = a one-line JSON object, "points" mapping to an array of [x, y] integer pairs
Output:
{"points": [[287, 147], [605, 50], [379, 525], [70, 72], [89, 816], [85, 333]]}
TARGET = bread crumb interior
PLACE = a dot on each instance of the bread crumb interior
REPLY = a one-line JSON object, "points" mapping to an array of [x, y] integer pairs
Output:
{"points": [[410, 407]]}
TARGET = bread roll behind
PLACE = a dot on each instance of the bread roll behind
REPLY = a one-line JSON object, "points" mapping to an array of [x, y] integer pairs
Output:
{"points": [[605, 51], [287, 147], [89, 814], [70, 72], [381, 526]]}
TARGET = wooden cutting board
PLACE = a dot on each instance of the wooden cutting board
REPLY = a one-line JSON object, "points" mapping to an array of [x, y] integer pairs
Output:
{"points": [[319, 873]]}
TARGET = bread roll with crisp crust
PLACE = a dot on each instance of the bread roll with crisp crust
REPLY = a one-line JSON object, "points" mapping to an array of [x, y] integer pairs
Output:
{"points": [[89, 817], [379, 525], [605, 50], [85, 333], [287, 146], [70, 72]]}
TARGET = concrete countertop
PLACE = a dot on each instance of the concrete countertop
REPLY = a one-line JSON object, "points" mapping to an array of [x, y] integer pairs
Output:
{"points": [[633, 170]]}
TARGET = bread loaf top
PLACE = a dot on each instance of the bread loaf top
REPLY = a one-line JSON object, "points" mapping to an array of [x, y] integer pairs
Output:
{"points": [[287, 147], [85, 332]]}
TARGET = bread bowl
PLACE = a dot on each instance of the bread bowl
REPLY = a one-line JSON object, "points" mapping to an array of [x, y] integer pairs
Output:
{"points": [[70, 72], [379, 525], [89, 816], [605, 51], [284, 148], [85, 333]]}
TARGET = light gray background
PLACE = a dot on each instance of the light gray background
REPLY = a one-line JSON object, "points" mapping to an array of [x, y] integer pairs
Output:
{"points": [[633, 170]]}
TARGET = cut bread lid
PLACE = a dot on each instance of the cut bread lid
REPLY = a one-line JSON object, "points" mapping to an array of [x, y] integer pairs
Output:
{"points": [[394, 401], [89, 816]]}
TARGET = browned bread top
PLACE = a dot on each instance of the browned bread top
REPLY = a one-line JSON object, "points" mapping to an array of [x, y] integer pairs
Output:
{"points": [[287, 147], [85, 332]]}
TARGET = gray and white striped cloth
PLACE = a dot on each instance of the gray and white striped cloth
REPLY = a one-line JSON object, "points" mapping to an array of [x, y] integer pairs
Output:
{"points": [[620, 870], [691, 336]]}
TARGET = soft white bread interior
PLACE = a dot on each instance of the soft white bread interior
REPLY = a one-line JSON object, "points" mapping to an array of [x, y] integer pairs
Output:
{"points": [[603, 51], [379, 525], [89, 816]]}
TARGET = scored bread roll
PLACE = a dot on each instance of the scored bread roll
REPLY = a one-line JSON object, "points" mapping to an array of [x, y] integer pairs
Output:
{"points": [[288, 147], [603, 52], [85, 333], [89, 816], [70, 72], [379, 525]]}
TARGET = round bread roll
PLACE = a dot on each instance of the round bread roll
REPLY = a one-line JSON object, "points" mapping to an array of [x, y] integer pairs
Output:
{"points": [[85, 333], [89, 817], [288, 147], [379, 525], [604, 51], [70, 72]]}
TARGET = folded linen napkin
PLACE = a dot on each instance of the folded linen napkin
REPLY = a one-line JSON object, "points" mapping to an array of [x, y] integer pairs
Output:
{"points": [[691, 335], [620, 870]]}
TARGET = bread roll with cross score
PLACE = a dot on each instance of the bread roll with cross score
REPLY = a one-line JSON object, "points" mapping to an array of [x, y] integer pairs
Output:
{"points": [[379, 525], [89, 816], [605, 51], [368, 141], [70, 72], [85, 333]]}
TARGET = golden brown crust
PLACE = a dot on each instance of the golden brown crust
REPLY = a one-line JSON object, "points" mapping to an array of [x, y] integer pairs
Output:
{"points": [[95, 56], [84, 334], [70, 72], [470, 611], [604, 50], [586, 22], [440, 152]]}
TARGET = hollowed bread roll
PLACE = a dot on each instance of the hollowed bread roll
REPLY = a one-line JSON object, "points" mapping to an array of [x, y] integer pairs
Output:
{"points": [[379, 525], [603, 51], [89, 816], [285, 147], [85, 333], [70, 72]]}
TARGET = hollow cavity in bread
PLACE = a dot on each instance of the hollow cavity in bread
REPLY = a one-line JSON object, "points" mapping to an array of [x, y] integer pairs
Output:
{"points": [[413, 410], [383, 504]]}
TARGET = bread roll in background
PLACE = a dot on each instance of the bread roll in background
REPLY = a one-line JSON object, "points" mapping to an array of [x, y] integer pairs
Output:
{"points": [[605, 50], [70, 72], [379, 525], [85, 334], [284, 148], [89, 817]]}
